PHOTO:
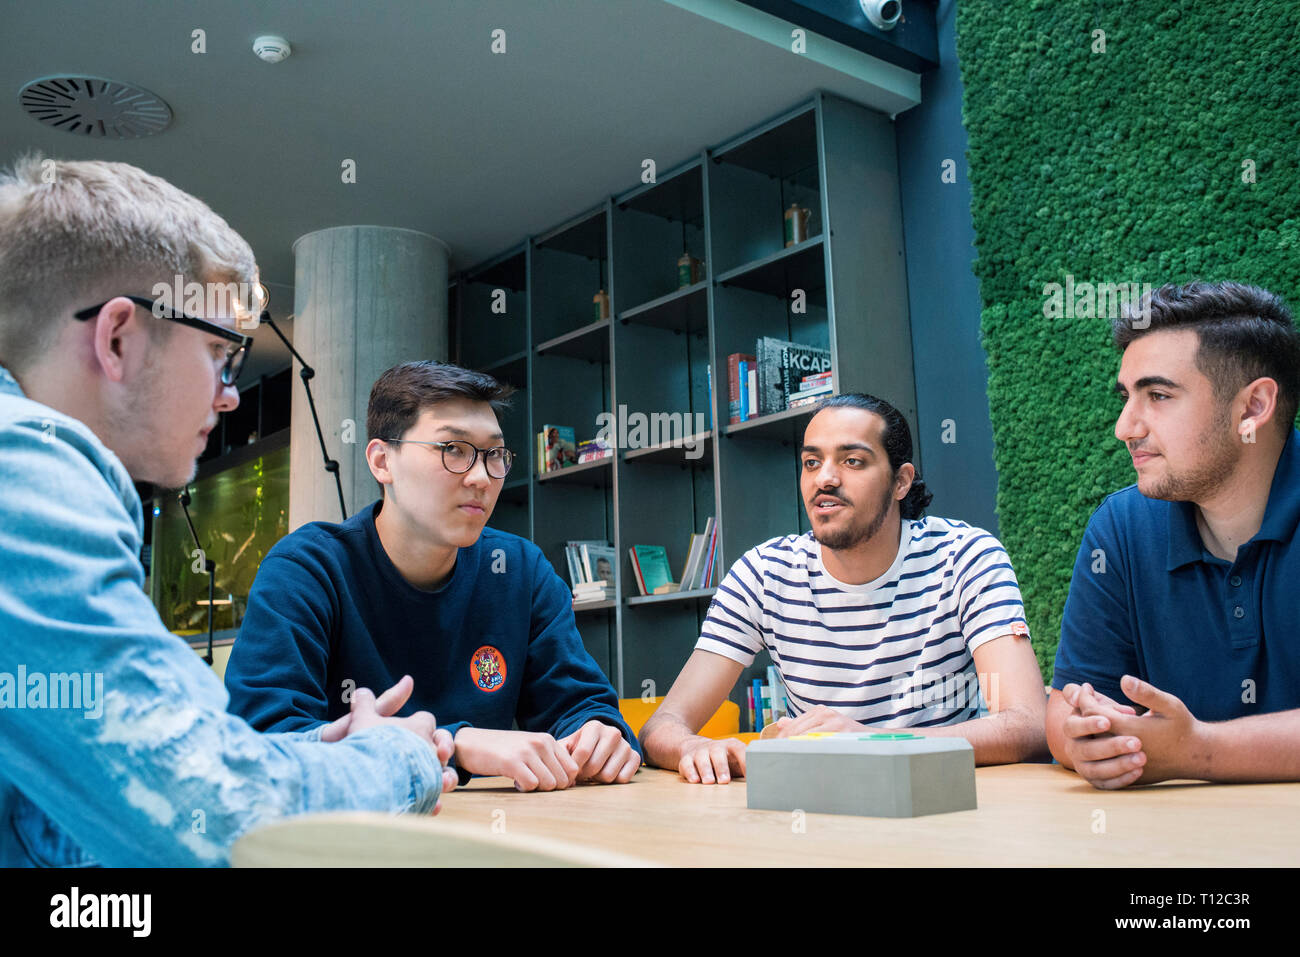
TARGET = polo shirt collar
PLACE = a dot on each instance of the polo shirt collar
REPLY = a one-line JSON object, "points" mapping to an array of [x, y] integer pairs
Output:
{"points": [[1281, 514], [1185, 544]]}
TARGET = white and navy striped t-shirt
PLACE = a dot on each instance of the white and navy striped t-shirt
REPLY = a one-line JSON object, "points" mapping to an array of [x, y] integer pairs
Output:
{"points": [[894, 652]]}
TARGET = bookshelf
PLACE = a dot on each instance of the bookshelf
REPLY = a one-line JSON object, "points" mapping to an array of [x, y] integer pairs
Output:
{"points": [[843, 288], [489, 311]]}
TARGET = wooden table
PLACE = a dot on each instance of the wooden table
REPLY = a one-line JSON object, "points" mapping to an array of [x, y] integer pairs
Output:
{"points": [[1028, 815]]}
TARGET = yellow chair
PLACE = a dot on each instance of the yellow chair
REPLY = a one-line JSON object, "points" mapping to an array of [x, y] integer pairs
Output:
{"points": [[725, 722]]}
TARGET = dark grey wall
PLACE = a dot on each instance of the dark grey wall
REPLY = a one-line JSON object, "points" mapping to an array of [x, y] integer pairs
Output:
{"points": [[951, 376]]}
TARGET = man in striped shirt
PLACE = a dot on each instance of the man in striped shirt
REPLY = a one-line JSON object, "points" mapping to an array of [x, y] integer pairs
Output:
{"points": [[878, 617]]}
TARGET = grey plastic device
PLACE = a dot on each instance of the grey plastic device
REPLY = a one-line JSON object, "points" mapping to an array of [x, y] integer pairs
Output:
{"points": [[882, 775]]}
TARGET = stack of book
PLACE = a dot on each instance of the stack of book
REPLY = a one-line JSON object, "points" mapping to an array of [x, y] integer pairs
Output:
{"points": [[779, 375], [593, 449], [812, 389], [591, 570], [593, 591]]}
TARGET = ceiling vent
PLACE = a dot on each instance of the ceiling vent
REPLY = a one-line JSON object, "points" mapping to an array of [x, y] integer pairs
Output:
{"points": [[93, 106]]}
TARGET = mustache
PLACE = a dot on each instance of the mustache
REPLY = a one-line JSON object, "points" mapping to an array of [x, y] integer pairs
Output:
{"points": [[829, 493]]}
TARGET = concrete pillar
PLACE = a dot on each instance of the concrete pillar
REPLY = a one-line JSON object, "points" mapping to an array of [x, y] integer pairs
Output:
{"points": [[365, 299]]}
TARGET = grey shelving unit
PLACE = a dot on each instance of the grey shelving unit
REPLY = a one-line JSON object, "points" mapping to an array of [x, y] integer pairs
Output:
{"points": [[654, 352]]}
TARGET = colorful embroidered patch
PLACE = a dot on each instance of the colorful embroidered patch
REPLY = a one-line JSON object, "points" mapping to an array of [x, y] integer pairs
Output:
{"points": [[1020, 629], [487, 669]]}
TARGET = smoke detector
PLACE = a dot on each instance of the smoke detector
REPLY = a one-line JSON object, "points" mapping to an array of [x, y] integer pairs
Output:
{"points": [[271, 48], [94, 106]]}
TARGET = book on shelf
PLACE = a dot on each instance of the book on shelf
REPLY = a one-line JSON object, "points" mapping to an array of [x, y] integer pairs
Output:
{"points": [[769, 368], [696, 558], [598, 561], [734, 389], [557, 448], [708, 371], [744, 389], [598, 548], [797, 363], [751, 394], [768, 703], [780, 704], [650, 568], [706, 577], [636, 574], [592, 449], [694, 561]]}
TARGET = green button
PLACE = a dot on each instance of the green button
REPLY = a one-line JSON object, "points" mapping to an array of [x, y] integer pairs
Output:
{"points": [[891, 737]]}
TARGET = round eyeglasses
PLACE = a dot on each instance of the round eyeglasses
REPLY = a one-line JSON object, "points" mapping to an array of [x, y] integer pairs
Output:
{"points": [[459, 456]]}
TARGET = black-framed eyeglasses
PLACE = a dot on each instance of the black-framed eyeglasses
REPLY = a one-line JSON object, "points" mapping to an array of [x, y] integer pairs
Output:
{"points": [[459, 456], [235, 356]]}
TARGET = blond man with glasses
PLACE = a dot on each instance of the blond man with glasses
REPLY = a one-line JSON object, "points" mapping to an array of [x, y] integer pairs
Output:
{"points": [[116, 747]]}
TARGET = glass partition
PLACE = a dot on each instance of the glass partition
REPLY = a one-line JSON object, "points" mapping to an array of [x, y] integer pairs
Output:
{"points": [[239, 513]]}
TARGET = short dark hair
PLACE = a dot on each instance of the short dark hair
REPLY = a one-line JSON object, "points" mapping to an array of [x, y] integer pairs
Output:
{"points": [[401, 394], [1245, 332], [898, 444]]}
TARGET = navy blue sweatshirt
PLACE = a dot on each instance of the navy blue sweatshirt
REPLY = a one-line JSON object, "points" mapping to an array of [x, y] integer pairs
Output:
{"points": [[329, 613]]}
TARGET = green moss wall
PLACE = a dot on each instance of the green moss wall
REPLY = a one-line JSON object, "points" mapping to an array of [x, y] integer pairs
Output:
{"points": [[1117, 166]]}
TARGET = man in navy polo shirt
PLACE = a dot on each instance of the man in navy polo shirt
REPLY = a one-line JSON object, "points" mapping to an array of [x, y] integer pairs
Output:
{"points": [[1185, 597], [416, 585]]}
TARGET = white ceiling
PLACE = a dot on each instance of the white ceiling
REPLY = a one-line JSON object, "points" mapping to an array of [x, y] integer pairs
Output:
{"points": [[479, 149]]}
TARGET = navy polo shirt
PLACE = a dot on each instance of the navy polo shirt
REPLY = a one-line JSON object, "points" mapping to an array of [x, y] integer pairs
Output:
{"points": [[1147, 599]]}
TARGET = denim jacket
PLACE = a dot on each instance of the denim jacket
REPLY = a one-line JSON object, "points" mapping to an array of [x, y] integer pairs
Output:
{"points": [[115, 744]]}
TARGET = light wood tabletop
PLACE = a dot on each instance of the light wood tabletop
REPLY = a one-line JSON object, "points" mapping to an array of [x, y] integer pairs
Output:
{"points": [[1028, 815]]}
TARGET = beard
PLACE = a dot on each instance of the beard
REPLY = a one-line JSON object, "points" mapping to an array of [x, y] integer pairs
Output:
{"points": [[1216, 457], [147, 415], [854, 534]]}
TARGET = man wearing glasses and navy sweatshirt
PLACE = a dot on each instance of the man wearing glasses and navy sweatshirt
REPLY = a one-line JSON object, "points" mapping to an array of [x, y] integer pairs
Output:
{"points": [[416, 585]]}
